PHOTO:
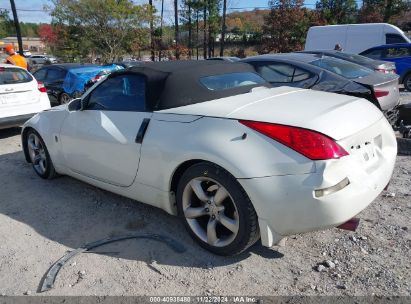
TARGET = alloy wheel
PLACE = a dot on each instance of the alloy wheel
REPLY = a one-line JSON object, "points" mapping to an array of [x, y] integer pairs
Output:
{"points": [[210, 211], [37, 154], [65, 98]]}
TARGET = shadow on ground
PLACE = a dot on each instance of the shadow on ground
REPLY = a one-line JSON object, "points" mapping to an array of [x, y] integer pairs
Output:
{"points": [[73, 213], [5, 133]]}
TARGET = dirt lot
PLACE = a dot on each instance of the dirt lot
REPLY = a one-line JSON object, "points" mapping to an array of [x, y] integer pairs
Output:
{"points": [[40, 220]]}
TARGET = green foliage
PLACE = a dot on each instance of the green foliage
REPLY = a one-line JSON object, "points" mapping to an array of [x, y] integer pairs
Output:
{"points": [[285, 27], [337, 11], [109, 28], [382, 10], [5, 23]]}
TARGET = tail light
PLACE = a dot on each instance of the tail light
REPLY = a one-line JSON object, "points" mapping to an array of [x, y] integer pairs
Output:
{"points": [[96, 78], [41, 87], [379, 93], [311, 144]]}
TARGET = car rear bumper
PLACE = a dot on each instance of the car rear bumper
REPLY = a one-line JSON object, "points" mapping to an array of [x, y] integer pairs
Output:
{"points": [[289, 204], [13, 121]]}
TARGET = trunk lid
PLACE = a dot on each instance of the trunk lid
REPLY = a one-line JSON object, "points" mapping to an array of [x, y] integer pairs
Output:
{"points": [[387, 83], [335, 115]]}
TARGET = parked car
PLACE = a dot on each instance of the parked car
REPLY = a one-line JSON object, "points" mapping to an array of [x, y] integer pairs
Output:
{"points": [[42, 59], [53, 77], [400, 54], [215, 144], [385, 67], [228, 59], [26, 53], [21, 96], [67, 81], [332, 75], [353, 38]]}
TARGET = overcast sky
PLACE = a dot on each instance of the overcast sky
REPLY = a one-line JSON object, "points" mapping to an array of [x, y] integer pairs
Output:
{"points": [[32, 10]]}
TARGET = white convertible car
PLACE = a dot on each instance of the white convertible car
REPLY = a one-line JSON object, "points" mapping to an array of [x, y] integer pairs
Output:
{"points": [[214, 143]]}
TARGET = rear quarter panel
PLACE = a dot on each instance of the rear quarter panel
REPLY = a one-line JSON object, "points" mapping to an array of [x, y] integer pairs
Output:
{"points": [[167, 144]]}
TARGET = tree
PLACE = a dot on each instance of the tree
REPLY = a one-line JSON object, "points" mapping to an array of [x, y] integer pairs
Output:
{"points": [[47, 34], [382, 10], [107, 27], [285, 26], [5, 23], [223, 28], [176, 32], [150, 3], [337, 11]]}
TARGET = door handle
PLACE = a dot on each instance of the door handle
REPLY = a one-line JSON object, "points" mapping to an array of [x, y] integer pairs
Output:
{"points": [[142, 131]]}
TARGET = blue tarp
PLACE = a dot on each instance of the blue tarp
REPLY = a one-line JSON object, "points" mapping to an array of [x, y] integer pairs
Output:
{"points": [[76, 78]]}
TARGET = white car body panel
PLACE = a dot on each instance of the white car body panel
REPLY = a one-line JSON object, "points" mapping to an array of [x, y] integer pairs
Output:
{"points": [[321, 111], [20, 100], [279, 181]]}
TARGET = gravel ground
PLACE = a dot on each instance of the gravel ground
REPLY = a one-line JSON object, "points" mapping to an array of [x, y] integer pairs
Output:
{"points": [[40, 220]]}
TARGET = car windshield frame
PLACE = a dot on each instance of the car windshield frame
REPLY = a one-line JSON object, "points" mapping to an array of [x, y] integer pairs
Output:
{"points": [[342, 67]]}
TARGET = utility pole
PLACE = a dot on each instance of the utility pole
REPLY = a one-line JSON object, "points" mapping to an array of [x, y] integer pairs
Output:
{"points": [[17, 25]]}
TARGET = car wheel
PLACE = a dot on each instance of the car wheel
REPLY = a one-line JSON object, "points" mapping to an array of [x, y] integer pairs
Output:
{"points": [[407, 82], [64, 98], [39, 156], [216, 210]]}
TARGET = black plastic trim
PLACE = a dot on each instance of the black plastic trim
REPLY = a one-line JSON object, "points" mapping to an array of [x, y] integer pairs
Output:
{"points": [[142, 130]]}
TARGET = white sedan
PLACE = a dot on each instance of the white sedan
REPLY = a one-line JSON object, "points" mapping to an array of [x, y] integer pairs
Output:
{"points": [[21, 96], [215, 144]]}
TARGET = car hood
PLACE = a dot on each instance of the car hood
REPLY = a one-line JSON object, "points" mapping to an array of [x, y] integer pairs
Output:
{"points": [[376, 78], [335, 115]]}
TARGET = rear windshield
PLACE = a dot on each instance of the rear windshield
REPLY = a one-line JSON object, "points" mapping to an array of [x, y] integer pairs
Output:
{"points": [[14, 75], [230, 81], [341, 67], [357, 58]]}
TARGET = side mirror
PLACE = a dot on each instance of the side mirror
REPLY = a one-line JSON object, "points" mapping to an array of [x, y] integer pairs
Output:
{"points": [[75, 105]]}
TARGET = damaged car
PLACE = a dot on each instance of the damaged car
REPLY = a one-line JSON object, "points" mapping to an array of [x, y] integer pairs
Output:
{"points": [[215, 144], [324, 73]]}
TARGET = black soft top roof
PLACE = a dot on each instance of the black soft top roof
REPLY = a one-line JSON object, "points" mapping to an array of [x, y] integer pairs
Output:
{"points": [[172, 84]]}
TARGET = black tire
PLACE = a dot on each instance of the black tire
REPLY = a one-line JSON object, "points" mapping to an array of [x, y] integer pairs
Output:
{"points": [[64, 98], [248, 232], [407, 82], [49, 172]]}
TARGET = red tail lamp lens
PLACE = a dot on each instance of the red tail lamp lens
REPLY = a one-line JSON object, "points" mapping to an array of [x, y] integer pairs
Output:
{"points": [[378, 93], [41, 87], [311, 144]]}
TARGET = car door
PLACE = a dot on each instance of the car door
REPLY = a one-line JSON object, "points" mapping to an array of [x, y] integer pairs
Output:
{"points": [[280, 74], [103, 141], [54, 83]]}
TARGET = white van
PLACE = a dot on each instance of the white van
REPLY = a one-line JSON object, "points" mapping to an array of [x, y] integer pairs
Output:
{"points": [[353, 38]]}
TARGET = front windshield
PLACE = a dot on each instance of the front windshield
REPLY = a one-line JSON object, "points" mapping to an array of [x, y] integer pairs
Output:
{"points": [[341, 67]]}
